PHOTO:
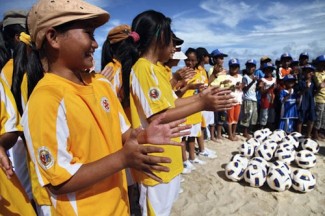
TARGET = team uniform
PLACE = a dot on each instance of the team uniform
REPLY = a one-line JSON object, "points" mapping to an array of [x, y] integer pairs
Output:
{"points": [[116, 79], [23, 166], [14, 198], [151, 93], [58, 133], [289, 112]]}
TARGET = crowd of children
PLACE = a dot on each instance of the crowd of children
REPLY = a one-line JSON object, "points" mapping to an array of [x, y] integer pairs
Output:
{"points": [[74, 141]]}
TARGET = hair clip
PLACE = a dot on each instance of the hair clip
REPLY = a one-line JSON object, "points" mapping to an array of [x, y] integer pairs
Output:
{"points": [[135, 36]]}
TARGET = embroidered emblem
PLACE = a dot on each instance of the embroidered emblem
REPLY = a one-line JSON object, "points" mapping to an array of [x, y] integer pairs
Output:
{"points": [[105, 104], [154, 93], [45, 158]]}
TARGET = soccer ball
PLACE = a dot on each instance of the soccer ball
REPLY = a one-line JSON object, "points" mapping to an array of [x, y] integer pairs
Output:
{"points": [[279, 165], [305, 159], [253, 141], [246, 149], [284, 155], [276, 137], [286, 146], [259, 135], [292, 140], [260, 161], [264, 152], [267, 132], [235, 170], [279, 179], [255, 175], [240, 158], [280, 132], [303, 180], [311, 145], [270, 144], [297, 135]]}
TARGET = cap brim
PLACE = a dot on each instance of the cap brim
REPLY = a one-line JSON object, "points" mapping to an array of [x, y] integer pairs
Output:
{"points": [[179, 56]]}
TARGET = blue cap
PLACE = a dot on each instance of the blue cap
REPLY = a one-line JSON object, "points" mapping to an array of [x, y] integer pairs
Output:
{"points": [[217, 52], [320, 58], [268, 65], [308, 66], [251, 61], [233, 61], [289, 77], [303, 54], [286, 55]]}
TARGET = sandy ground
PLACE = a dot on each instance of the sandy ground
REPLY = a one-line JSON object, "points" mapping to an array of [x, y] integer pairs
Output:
{"points": [[207, 191]]}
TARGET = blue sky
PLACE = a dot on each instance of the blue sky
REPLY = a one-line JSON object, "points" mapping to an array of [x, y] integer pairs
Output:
{"points": [[242, 29]]}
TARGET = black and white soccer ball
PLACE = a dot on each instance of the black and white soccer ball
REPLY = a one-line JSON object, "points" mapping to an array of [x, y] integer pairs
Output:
{"points": [[264, 152], [275, 136], [279, 165], [303, 180], [253, 141], [305, 159], [259, 161], [240, 158], [286, 145], [279, 179], [246, 149], [259, 135], [284, 155], [270, 144], [292, 140], [280, 132], [311, 145], [234, 170], [255, 175]]}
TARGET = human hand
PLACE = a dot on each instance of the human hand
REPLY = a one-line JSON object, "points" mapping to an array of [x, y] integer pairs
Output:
{"points": [[138, 156], [108, 72], [5, 163], [159, 133], [187, 73], [217, 99], [195, 85]]}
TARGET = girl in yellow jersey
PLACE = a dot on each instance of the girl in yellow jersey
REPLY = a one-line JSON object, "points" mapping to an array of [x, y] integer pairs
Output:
{"points": [[14, 200], [76, 132], [152, 95]]}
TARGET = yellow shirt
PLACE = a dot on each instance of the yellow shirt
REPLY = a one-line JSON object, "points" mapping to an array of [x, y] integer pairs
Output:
{"points": [[197, 78], [217, 81], [151, 93], [116, 79], [319, 78], [14, 199], [76, 125], [6, 72]]}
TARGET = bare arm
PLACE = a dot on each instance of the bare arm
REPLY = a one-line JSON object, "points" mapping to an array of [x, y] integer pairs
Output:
{"points": [[211, 99], [7, 140]]}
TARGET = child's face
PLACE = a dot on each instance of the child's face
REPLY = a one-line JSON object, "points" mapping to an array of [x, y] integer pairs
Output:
{"points": [[268, 72], [290, 83], [76, 46], [234, 69], [167, 52], [191, 60], [285, 62], [307, 73], [218, 60], [250, 68]]}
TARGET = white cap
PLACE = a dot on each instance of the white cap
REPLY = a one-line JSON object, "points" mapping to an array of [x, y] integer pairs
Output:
{"points": [[179, 54]]}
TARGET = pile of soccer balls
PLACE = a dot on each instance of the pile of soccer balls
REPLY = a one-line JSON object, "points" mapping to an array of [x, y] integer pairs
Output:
{"points": [[267, 157]]}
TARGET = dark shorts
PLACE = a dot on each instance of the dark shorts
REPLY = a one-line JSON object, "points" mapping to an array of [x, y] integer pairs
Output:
{"points": [[221, 117], [306, 115]]}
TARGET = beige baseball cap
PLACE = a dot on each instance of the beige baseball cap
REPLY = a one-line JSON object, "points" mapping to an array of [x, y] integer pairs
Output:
{"points": [[119, 33], [51, 13]]}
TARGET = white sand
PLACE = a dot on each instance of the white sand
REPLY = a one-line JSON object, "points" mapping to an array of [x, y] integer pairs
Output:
{"points": [[207, 191]]}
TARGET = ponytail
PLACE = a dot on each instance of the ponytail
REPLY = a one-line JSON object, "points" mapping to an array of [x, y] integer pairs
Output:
{"points": [[4, 50]]}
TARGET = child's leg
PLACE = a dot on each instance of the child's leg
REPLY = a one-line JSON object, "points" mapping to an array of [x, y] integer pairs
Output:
{"points": [[212, 130], [184, 149], [191, 147], [219, 131], [299, 125], [309, 128], [200, 142], [234, 128]]}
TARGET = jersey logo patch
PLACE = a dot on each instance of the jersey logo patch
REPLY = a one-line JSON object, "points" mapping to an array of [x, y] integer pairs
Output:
{"points": [[45, 158], [154, 93], [105, 104]]}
